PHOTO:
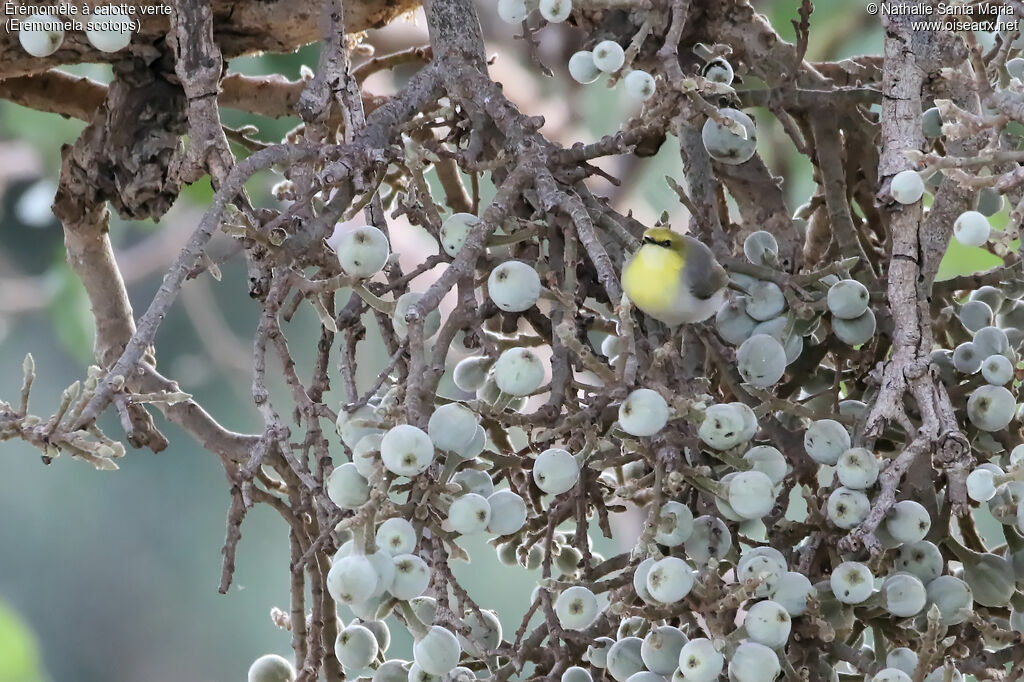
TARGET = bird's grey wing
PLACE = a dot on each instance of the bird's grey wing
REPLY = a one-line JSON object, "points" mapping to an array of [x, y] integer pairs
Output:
{"points": [[705, 276]]}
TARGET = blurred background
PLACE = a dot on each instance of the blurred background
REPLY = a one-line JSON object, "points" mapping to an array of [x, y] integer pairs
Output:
{"points": [[112, 577]]}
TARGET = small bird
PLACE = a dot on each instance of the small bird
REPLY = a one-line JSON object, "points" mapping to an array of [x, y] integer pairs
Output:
{"points": [[674, 278]]}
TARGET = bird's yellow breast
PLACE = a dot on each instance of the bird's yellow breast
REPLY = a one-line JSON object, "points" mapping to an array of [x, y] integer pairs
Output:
{"points": [[651, 278]]}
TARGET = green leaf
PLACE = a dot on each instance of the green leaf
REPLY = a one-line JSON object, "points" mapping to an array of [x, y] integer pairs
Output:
{"points": [[19, 650]]}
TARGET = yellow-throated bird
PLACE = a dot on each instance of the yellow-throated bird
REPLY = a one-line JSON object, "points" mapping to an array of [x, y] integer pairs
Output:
{"points": [[674, 278]]}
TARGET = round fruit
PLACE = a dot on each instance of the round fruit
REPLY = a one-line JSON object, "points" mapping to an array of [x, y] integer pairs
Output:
{"points": [[791, 592], [718, 70], [597, 653], [471, 373], [723, 427], [725, 146], [582, 67], [891, 675], [514, 286], [474, 481], [609, 56], [574, 673], [972, 229], [908, 521], [555, 471], [826, 440], [576, 608], [753, 662], [431, 323], [110, 32], [733, 323], [555, 11], [700, 661], [456, 227], [660, 649], [990, 202], [643, 413], [931, 123], [851, 582], [768, 623], [355, 647], [437, 653], [848, 508], [903, 595], [855, 332], [922, 559], [966, 358], [452, 427], [848, 299], [997, 370], [761, 360], [669, 580], [710, 539], [518, 372], [624, 659], [396, 536], [406, 450], [991, 408], [363, 251], [508, 512], [768, 460], [674, 524], [751, 494], [512, 11], [41, 34], [347, 488], [952, 596], [858, 468], [903, 659], [975, 314], [351, 579], [271, 668], [412, 576], [907, 187], [639, 85], [469, 514]]}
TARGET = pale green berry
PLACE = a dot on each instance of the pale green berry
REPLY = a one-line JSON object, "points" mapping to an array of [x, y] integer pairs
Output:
{"points": [[700, 661], [855, 332], [624, 659], [765, 300], [768, 623], [639, 85], [396, 536], [669, 580], [271, 668], [761, 360], [347, 488], [582, 67], [518, 372], [362, 251], [848, 508], [431, 323], [718, 70], [891, 675], [425, 609], [456, 227], [851, 582], [366, 454], [41, 34], [508, 512], [576, 608], [922, 559], [725, 146], [437, 652], [733, 323], [751, 494], [826, 440], [110, 32], [484, 633], [908, 521], [640, 580], [355, 647], [661, 647], [512, 11], [406, 450], [791, 592], [848, 299], [643, 413], [474, 481], [981, 485], [609, 56], [383, 565], [966, 358], [991, 408], [952, 596], [903, 659], [768, 460], [903, 595], [469, 514], [597, 653], [471, 373], [991, 341], [907, 187], [574, 673], [990, 202], [858, 468], [997, 370], [761, 248], [972, 229], [991, 579], [555, 471], [674, 524], [723, 427], [351, 579], [931, 123], [710, 539], [452, 427], [352, 426], [392, 670], [753, 662], [514, 286], [475, 446], [412, 576], [975, 314], [555, 11], [418, 674]]}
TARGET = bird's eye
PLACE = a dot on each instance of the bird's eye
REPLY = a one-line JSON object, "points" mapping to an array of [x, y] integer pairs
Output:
{"points": [[647, 240]]}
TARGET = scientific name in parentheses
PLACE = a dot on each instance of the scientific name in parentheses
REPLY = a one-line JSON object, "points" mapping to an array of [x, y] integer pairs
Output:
{"points": [[922, 9]]}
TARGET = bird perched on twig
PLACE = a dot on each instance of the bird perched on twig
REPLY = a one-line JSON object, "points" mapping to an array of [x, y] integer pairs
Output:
{"points": [[674, 278]]}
